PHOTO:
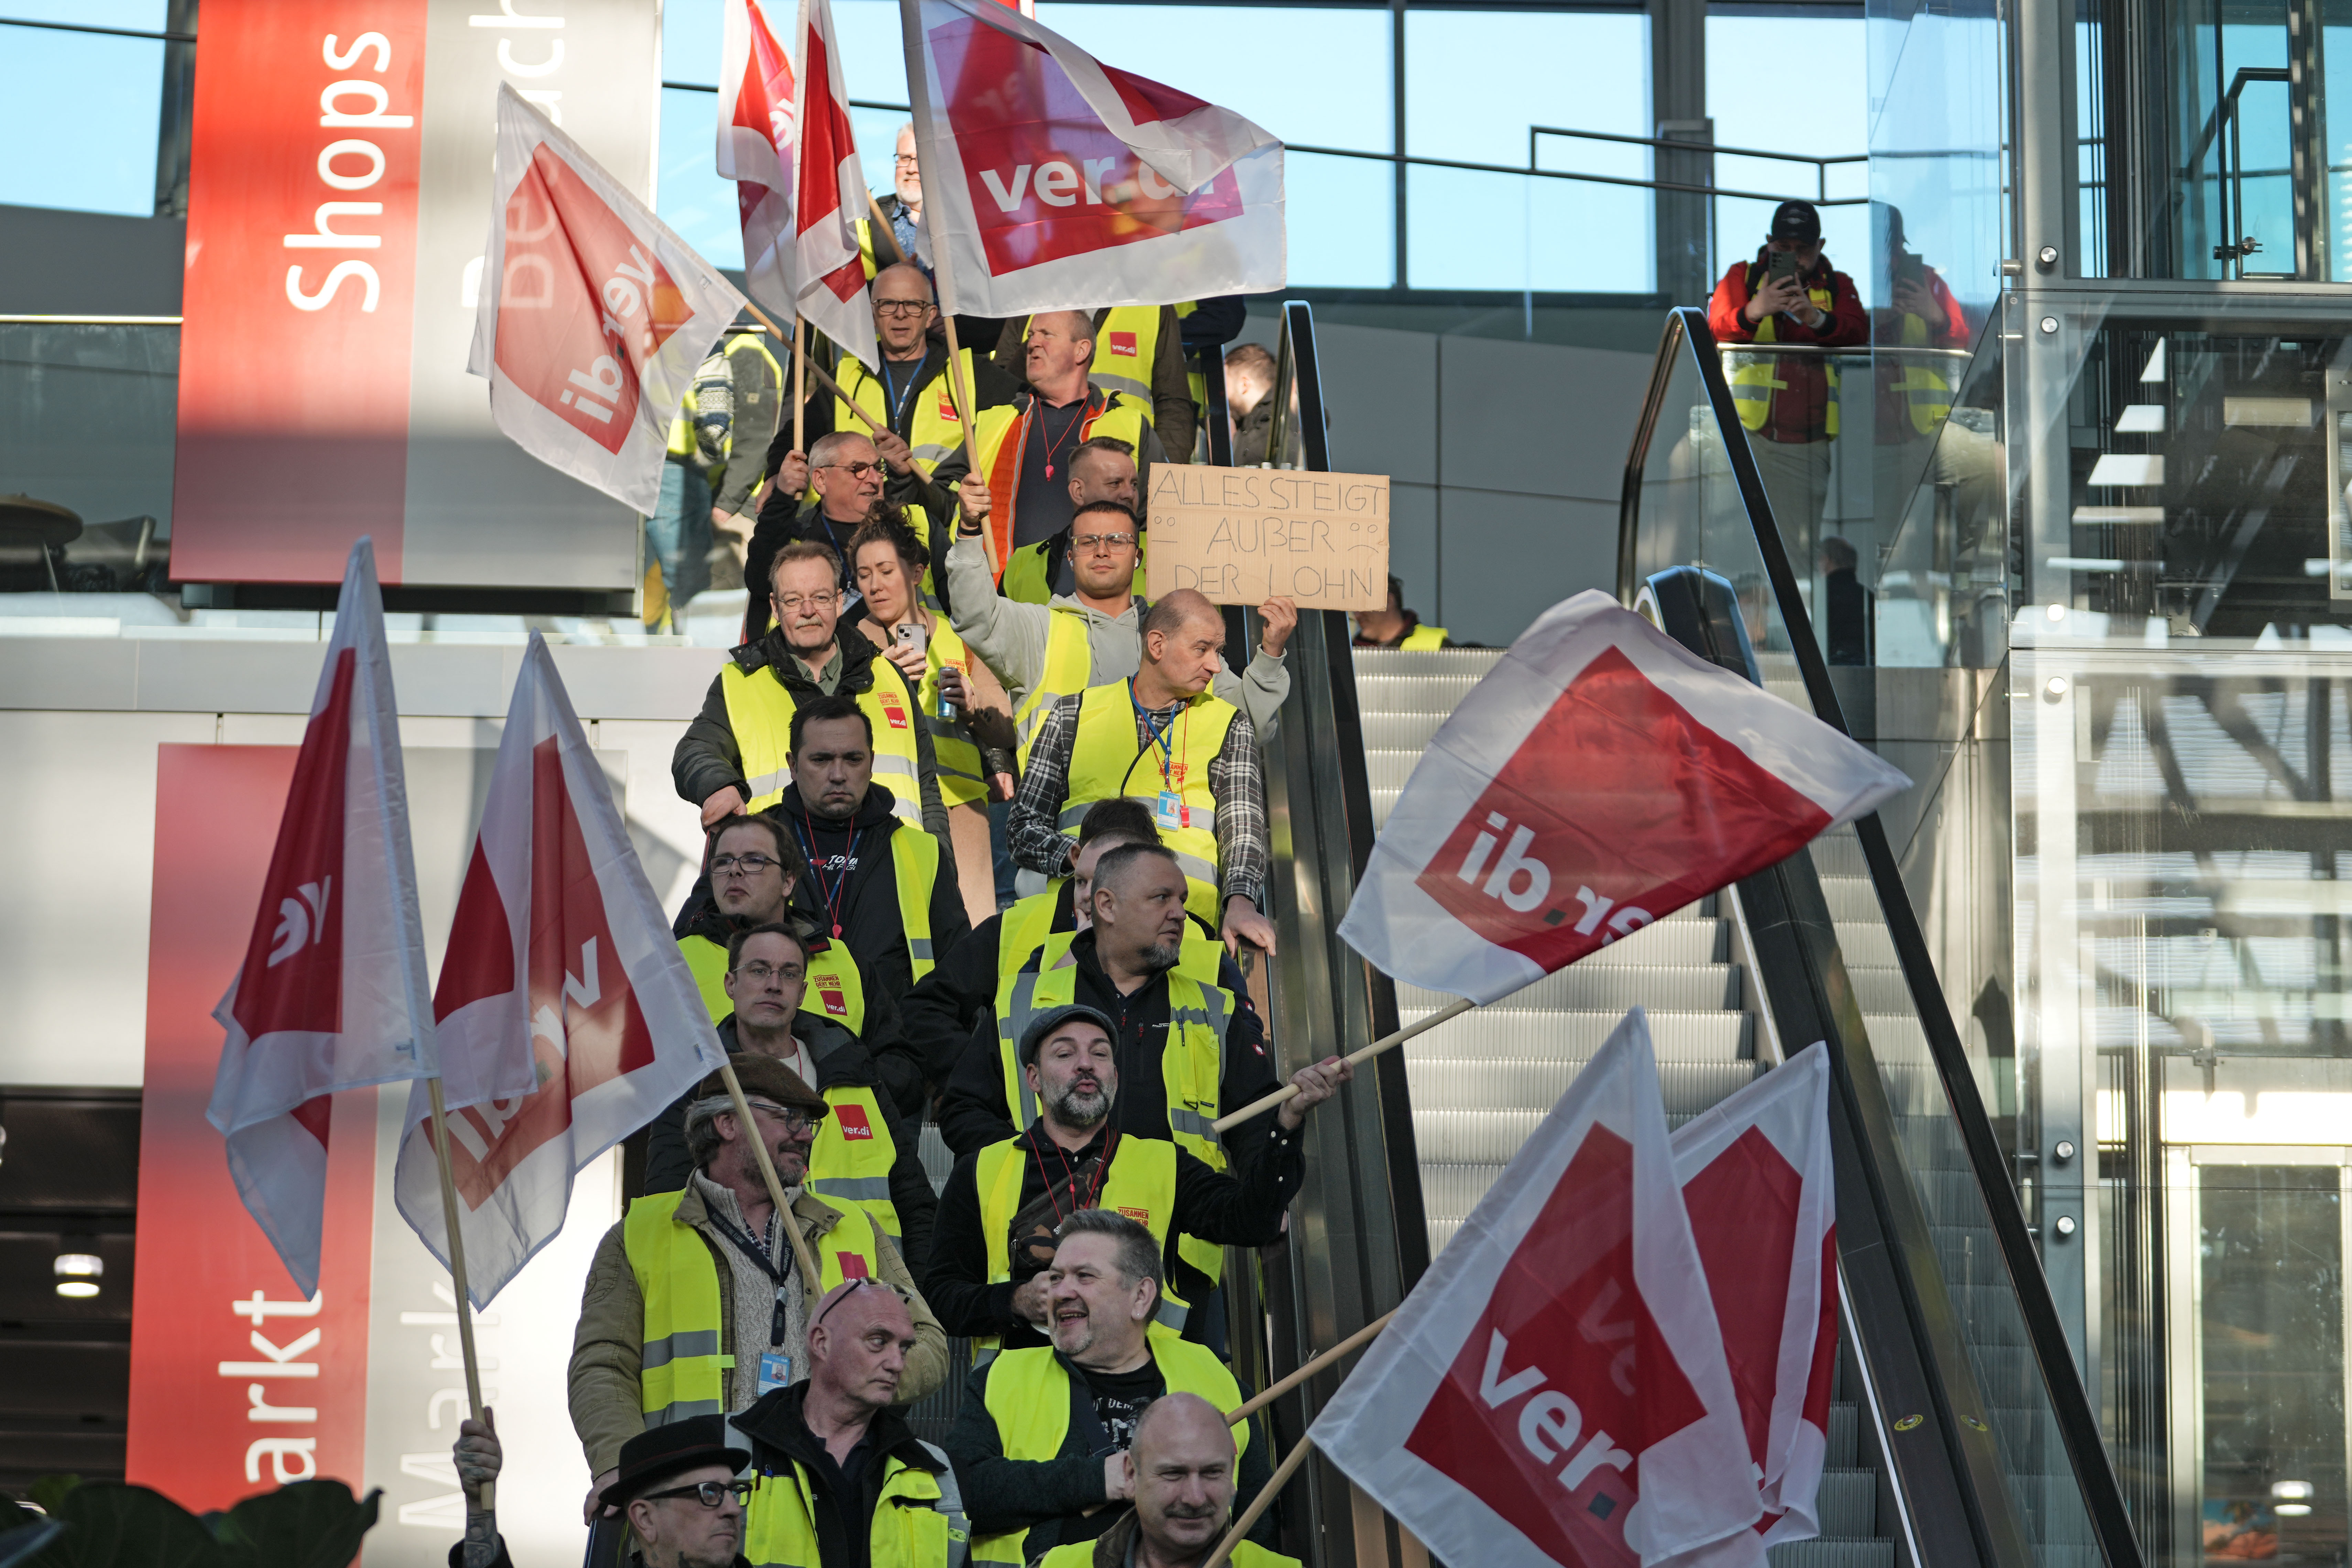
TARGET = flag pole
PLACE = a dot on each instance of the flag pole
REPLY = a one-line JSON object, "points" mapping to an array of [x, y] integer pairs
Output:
{"points": [[457, 1242], [1260, 1503], [1258, 1402], [1451, 1010], [802, 361], [801, 1253], [799, 386]]}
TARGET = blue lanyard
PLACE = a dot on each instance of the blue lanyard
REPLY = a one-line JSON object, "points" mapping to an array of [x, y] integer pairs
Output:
{"points": [[1155, 734], [898, 399]]}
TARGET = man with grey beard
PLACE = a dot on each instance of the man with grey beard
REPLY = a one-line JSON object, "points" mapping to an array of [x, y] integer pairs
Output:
{"points": [[998, 1214]]}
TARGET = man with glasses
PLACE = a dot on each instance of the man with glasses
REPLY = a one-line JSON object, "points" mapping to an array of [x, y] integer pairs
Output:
{"points": [[1093, 634], [841, 1480], [676, 1485], [694, 1302], [850, 477], [736, 755], [864, 1155]]}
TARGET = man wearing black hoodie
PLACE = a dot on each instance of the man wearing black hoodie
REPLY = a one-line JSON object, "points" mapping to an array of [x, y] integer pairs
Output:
{"points": [[734, 757]]}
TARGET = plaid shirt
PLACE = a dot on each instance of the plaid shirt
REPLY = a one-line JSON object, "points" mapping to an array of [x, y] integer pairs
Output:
{"points": [[1236, 783]]}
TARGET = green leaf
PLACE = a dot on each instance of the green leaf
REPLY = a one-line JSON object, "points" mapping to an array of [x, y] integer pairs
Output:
{"points": [[110, 1525], [307, 1524]]}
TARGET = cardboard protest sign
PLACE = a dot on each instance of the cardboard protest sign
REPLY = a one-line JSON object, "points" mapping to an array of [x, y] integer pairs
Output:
{"points": [[1243, 536]]}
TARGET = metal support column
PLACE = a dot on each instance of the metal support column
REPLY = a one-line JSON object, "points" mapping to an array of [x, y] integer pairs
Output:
{"points": [[1685, 271]]}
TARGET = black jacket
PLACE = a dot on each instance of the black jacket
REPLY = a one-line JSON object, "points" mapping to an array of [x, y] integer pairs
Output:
{"points": [[973, 1113], [845, 1522], [1240, 1210], [708, 760], [841, 1062], [865, 901], [990, 387], [955, 1005], [1049, 1497]]}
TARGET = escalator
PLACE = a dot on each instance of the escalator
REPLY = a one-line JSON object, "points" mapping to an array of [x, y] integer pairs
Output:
{"points": [[1962, 1432]]}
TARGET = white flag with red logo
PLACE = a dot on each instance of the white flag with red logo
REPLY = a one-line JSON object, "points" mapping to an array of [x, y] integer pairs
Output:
{"points": [[1758, 1183], [755, 151], [1052, 181], [830, 197], [559, 957], [332, 993], [1554, 1390], [1600, 776], [593, 315]]}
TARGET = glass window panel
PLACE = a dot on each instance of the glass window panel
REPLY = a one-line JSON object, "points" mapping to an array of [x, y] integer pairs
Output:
{"points": [[693, 32], [148, 16], [1344, 101], [78, 113], [1479, 79], [1751, 107], [873, 57], [1473, 230], [1342, 221], [689, 196]]}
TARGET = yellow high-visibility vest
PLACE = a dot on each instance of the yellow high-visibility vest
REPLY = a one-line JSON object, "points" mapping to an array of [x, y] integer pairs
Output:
{"points": [[1067, 670], [1107, 761], [760, 715], [962, 781], [1425, 637], [917, 1522], [1754, 378], [932, 428], [1140, 1185]]}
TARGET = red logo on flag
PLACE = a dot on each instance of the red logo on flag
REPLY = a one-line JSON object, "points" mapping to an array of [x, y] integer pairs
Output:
{"points": [[1048, 178], [894, 710], [293, 974], [828, 990], [583, 305], [1565, 1380], [1664, 811], [851, 1120], [1123, 345]]}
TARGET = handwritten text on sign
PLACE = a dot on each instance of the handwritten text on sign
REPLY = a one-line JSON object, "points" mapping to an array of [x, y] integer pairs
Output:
{"points": [[1243, 536]]}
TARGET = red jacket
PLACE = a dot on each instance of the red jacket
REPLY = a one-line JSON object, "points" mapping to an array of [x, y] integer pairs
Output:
{"points": [[1800, 411], [1898, 373]]}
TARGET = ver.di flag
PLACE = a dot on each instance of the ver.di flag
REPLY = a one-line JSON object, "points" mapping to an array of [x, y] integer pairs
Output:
{"points": [[560, 959], [755, 151], [1600, 776], [830, 197], [332, 991], [1758, 1183], [592, 314], [1052, 181], [1554, 1390]]}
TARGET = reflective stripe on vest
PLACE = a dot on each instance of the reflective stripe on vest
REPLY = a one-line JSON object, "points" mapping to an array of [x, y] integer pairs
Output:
{"points": [[1107, 760], [1425, 637], [954, 751], [1001, 440], [916, 1523], [760, 716], [1927, 393], [914, 866], [1027, 1393], [850, 1163], [1754, 378], [684, 1367], [1141, 1185], [932, 428], [1067, 672]]}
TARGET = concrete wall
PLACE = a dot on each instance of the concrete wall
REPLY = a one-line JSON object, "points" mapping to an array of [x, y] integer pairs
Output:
{"points": [[1507, 458]]}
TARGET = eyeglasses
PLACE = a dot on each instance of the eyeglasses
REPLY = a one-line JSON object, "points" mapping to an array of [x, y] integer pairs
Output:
{"points": [[710, 1494], [790, 604], [748, 865], [901, 307], [1100, 544], [759, 974], [854, 470], [796, 1120], [905, 157]]}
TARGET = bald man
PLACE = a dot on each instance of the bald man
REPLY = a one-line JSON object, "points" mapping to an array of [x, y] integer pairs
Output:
{"points": [[1164, 738], [1180, 1470]]}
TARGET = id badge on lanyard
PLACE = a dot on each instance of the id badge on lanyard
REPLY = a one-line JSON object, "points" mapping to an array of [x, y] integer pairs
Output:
{"points": [[1172, 812], [775, 1371]]}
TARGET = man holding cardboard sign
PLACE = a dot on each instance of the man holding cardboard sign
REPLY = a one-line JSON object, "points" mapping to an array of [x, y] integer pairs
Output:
{"points": [[1242, 536]]}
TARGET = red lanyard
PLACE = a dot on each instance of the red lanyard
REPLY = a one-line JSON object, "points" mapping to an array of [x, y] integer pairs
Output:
{"points": [[831, 895], [1070, 1173]]}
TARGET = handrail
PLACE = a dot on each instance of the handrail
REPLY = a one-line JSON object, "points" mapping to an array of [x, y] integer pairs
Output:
{"points": [[1819, 350], [2077, 1422]]}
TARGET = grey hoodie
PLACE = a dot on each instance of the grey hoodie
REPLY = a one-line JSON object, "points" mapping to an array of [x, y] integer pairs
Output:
{"points": [[1009, 635]]}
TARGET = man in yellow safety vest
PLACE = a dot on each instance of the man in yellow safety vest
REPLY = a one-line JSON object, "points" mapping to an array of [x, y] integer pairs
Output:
{"points": [[1000, 1207], [1162, 737], [1180, 1468], [695, 1303], [1397, 626], [1040, 1443], [864, 1155], [838, 1479], [1136, 351]]}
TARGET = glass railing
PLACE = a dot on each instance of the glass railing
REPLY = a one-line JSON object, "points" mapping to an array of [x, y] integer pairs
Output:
{"points": [[1993, 1447]]}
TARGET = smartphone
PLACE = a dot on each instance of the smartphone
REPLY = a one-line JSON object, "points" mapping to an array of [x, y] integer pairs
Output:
{"points": [[1785, 264], [1910, 268], [912, 637]]}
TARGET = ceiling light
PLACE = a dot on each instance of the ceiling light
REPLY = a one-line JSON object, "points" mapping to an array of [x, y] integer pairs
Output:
{"points": [[2291, 1510], [2295, 1489], [77, 1274], [77, 1290]]}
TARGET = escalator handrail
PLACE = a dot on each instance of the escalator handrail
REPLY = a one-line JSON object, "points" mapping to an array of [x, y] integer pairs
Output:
{"points": [[2077, 1422]]}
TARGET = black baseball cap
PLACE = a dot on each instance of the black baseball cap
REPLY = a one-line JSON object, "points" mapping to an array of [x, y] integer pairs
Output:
{"points": [[1797, 221], [1042, 1026], [657, 1453]]}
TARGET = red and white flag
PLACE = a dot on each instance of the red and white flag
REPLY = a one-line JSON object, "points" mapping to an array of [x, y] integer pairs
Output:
{"points": [[1600, 776], [1758, 1183], [1054, 182], [561, 961], [830, 196], [332, 993], [592, 314], [1554, 1390], [755, 151]]}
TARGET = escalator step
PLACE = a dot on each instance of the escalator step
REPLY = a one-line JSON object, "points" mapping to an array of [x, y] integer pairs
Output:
{"points": [[1483, 1087], [1848, 1504], [1832, 1554], [1669, 988], [1566, 1036], [1845, 1436]]}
